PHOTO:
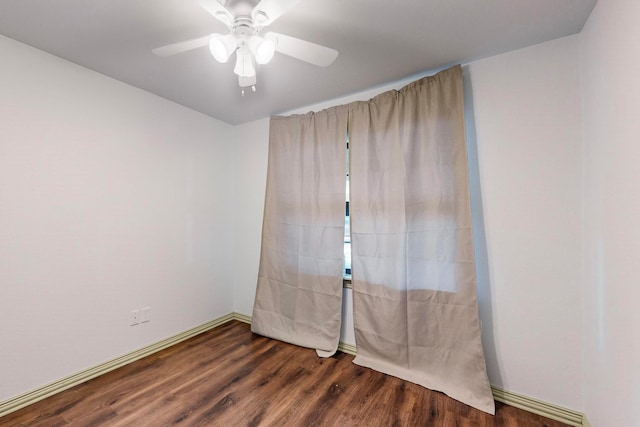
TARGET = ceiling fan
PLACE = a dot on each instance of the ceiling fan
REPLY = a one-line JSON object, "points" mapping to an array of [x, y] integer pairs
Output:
{"points": [[245, 20]]}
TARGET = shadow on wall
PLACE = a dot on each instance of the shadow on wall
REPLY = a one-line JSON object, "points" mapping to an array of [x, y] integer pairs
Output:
{"points": [[479, 235]]}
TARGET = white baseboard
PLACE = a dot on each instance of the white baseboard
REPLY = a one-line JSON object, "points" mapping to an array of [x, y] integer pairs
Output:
{"points": [[33, 396], [241, 317], [347, 348], [529, 404]]}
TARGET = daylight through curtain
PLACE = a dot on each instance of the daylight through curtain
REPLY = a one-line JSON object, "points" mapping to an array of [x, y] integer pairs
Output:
{"points": [[414, 291], [299, 293]]}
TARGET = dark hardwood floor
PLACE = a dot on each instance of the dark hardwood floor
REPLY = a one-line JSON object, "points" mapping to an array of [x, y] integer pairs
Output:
{"points": [[231, 377]]}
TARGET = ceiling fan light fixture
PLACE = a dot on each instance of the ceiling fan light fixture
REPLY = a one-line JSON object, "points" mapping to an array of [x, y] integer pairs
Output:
{"points": [[245, 20], [244, 63], [247, 81], [262, 49], [222, 47]]}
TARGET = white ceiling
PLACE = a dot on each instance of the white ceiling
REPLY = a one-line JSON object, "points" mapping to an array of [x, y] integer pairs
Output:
{"points": [[378, 41]]}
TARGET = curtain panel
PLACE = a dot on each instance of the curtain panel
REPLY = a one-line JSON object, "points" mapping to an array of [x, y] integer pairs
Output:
{"points": [[299, 292], [413, 271]]}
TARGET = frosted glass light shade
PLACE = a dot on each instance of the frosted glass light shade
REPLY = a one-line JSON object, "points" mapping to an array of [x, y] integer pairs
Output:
{"points": [[262, 49], [222, 47]]}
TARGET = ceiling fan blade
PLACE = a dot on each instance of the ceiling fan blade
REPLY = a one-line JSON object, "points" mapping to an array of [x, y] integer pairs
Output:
{"points": [[176, 48], [218, 11], [268, 11], [303, 50]]}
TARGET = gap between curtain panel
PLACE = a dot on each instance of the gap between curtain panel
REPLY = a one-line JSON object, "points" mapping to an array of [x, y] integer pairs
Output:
{"points": [[413, 268]]}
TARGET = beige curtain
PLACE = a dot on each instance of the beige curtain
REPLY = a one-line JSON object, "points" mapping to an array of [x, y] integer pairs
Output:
{"points": [[414, 292], [299, 293]]}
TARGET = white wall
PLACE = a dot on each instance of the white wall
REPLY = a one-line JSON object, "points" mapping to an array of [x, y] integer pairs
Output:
{"points": [[110, 199], [611, 191], [250, 165], [527, 120], [524, 145]]}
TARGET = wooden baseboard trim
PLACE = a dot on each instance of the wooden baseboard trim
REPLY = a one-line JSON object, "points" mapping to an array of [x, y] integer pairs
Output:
{"points": [[241, 317], [529, 404], [28, 398], [347, 348]]}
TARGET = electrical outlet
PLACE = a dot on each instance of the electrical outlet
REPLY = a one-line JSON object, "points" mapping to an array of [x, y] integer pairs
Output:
{"points": [[135, 317], [145, 313]]}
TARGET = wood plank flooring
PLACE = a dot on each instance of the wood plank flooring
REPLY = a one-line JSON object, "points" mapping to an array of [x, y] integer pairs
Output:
{"points": [[231, 377]]}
